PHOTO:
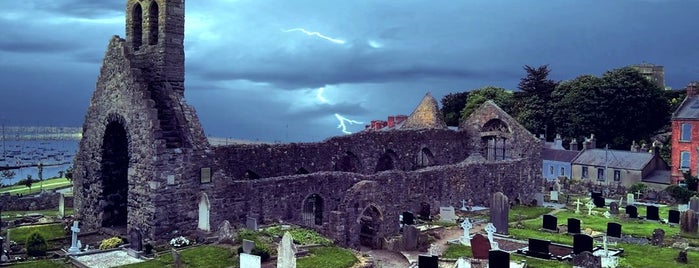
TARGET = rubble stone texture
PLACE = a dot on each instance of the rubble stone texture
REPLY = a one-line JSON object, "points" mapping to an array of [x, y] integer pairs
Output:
{"points": [[144, 161], [426, 115]]}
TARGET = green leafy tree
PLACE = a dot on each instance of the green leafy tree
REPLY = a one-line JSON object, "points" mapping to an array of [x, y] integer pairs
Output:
{"points": [[7, 174], [452, 104], [40, 168], [500, 96], [691, 181], [36, 244], [28, 182], [577, 105], [69, 173], [533, 101], [61, 173]]}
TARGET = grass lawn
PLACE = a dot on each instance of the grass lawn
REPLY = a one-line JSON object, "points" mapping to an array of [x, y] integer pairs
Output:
{"points": [[43, 264], [327, 257], [455, 251], [527, 212], [301, 236], [202, 256], [49, 231], [13, 215], [47, 185]]}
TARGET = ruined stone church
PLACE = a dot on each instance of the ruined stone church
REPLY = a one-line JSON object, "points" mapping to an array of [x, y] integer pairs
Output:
{"points": [[144, 164]]}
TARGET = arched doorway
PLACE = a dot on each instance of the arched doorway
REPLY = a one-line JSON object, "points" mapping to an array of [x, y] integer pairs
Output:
{"points": [[387, 161], [313, 210], [115, 166], [369, 226], [425, 158], [204, 207]]}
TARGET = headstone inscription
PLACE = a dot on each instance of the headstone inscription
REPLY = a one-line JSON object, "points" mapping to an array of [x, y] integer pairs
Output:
{"points": [[573, 226], [632, 211], [550, 223], [614, 229], [582, 242], [539, 248], [424, 261], [480, 245], [652, 213], [408, 218], [447, 214], [673, 216], [498, 258]]}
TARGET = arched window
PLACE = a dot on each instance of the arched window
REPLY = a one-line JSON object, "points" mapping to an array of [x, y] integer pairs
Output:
{"points": [[387, 161], [494, 135], [250, 175], [424, 158], [313, 210], [137, 26], [153, 23], [349, 163]]}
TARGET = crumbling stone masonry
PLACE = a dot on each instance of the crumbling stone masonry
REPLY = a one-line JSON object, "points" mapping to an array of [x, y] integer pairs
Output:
{"points": [[144, 162]]}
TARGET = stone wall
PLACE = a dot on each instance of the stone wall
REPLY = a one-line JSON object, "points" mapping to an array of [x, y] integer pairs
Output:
{"points": [[45, 201]]}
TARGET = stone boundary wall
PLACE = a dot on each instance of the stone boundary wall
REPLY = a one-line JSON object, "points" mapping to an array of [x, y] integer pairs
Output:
{"points": [[44, 201]]}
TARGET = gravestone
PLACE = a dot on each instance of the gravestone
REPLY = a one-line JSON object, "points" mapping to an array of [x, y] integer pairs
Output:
{"points": [[550, 223], [594, 195], [286, 252], [582, 242], [688, 222], [499, 210], [177, 261], [652, 213], [251, 224], [539, 248], [466, 237], [607, 214], [61, 206], [632, 211], [249, 260], [577, 206], [408, 218], [248, 246], [682, 207], [673, 216], [447, 214], [630, 200], [538, 199], [682, 256], [598, 201], [424, 261], [136, 240], [589, 205], [225, 232], [410, 237], [694, 203], [587, 260], [480, 246], [614, 229], [658, 237], [74, 238], [553, 196], [425, 213], [498, 258], [614, 208], [573, 226]]}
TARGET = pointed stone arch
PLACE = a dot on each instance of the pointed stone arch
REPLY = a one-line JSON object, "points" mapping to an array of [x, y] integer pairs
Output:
{"points": [[153, 17], [114, 166], [425, 158], [370, 226], [250, 175], [387, 161], [349, 162], [136, 26], [302, 170], [203, 222], [313, 210]]}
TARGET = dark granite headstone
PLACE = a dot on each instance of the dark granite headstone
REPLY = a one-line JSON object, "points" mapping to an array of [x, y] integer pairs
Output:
{"points": [[136, 240], [582, 242], [408, 218], [614, 229], [410, 237], [658, 237], [652, 213], [498, 258], [598, 201], [499, 211], [573, 226], [424, 261], [694, 203], [550, 223], [594, 195], [614, 208], [480, 245], [632, 211], [587, 260], [539, 248], [673, 216]]}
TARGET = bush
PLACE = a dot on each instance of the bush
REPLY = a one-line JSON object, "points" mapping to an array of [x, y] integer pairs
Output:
{"points": [[36, 245], [680, 194], [111, 243], [260, 249], [638, 187]]}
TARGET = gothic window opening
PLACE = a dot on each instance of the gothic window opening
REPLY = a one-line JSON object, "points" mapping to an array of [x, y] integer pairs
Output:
{"points": [[153, 23], [386, 161], [684, 160], [425, 158], [115, 165], [313, 210], [369, 226], [137, 26], [494, 135], [348, 163]]}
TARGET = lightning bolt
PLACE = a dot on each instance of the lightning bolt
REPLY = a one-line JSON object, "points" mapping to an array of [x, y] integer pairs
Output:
{"points": [[317, 34], [343, 123], [320, 97]]}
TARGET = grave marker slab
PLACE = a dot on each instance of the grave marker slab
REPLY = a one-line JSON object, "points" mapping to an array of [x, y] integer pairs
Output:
{"points": [[550, 223], [553, 196], [632, 211], [447, 214], [248, 246], [694, 203], [582, 242], [598, 201], [410, 237], [249, 260], [498, 258], [688, 222], [614, 229], [674, 216], [539, 248], [61, 206], [658, 237], [652, 213], [614, 208], [573, 226], [424, 261], [630, 200], [587, 259], [539, 199], [251, 224], [286, 252], [480, 246], [136, 240], [499, 210], [408, 218]]}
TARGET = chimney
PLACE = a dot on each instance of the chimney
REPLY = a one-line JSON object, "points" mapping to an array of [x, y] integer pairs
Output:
{"points": [[400, 118], [635, 147], [574, 145], [691, 89], [558, 142], [644, 148], [391, 121], [656, 145], [593, 141]]}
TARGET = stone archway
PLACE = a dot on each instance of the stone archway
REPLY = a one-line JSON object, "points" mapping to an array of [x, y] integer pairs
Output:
{"points": [[370, 226], [204, 209], [313, 210], [387, 161], [114, 175]]}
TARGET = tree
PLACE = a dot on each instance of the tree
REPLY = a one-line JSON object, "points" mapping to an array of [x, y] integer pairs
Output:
{"points": [[69, 173], [28, 182], [533, 102], [452, 104], [7, 174], [60, 173], [40, 168], [576, 106], [500, 96]]}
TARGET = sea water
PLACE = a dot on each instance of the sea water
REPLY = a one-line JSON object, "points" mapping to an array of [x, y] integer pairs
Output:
{"points": [[54, 155]]}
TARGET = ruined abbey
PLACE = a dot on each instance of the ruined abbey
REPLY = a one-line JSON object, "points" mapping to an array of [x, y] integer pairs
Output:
{"points": [[144, 164]]}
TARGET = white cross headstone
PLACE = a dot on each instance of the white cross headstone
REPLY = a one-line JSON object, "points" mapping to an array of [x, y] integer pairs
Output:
{"points": [[630, 200], [466, 237], [621, 199], [683, 207], [607, 214], [577, 206], [490, 229], [74, 238], [589, 207], [463, 205], [638, 194], [604, 245]]}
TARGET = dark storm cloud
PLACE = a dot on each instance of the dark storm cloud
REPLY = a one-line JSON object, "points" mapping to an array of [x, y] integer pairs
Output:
{"points": [[80, 8]]}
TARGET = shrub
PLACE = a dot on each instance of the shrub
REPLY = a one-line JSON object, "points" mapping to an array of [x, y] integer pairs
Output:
{"points": [[148, 248], [261, 249], [111, 243], [680, 194], [638, 187], [36, 245]]}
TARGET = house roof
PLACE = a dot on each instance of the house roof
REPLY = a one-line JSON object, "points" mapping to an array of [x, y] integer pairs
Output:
{"points": [[659, 176], [614, 159], [689, 109], [558, 155]]}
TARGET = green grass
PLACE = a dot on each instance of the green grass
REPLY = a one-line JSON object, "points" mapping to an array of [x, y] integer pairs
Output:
{"points": [[49, 231], [455, 251], [47, 185], [527, 212], [633, 227], [301, 236], [43, 264], [13, 215], [202, 256], [654, 257], [334, 257]]}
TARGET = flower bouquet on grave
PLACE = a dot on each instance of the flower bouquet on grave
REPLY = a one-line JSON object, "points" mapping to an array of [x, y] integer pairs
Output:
{"points": [[179, 242]]}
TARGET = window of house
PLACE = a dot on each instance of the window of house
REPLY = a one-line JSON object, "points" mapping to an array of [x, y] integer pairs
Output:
{"points": [[584, 172], [684, 159], [551, 170], [617, 175], [600, 174], [563, 172], [686, 133]]}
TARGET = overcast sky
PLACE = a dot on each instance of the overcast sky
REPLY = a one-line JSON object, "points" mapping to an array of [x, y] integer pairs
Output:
{"points": [[280, 70]]}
